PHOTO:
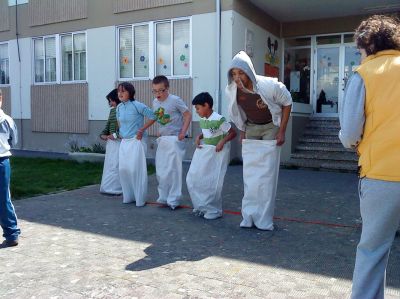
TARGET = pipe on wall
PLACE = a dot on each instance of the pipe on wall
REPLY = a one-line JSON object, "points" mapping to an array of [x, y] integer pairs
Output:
{"points": [[218, 43]]}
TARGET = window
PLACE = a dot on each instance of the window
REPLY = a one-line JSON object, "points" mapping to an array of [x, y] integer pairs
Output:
{"points": [[70, 55], [170, 55], [45, 59], [172, 48], [297, 62], [73, 53], [4, 65]]}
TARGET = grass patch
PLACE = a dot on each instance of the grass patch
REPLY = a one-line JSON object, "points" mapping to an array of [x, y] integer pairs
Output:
{"points": [[36, 176]]}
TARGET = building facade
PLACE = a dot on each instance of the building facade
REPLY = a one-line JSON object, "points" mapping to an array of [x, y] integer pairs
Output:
{"points": [[59, 58]]}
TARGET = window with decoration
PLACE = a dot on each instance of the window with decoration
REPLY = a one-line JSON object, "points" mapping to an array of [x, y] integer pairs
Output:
{"points": [[154, 48]]}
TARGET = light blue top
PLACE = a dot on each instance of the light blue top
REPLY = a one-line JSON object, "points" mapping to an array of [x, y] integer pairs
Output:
{"points": [[351, 114], [130, 116]]}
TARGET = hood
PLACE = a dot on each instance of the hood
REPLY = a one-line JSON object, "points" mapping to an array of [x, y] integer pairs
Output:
{"points": [[242, 61], [2, 115]]}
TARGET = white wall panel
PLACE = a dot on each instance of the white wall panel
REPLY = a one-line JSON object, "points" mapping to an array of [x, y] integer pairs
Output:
{"points": [[20, 78], [101, 62]]}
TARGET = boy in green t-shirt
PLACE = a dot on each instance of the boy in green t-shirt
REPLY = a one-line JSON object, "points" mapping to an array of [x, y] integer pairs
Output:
{"points": [[210, 160], [215, 129]]}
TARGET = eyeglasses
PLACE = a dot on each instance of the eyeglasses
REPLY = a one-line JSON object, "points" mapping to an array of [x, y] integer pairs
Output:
{"points": [[158, 91]]}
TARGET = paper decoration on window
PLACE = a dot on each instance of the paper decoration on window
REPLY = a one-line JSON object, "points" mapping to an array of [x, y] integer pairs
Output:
{"points": [[165, 67], [270, 56], [145, 66], [161, 61], [182, 57], [186, 65], [125, 60], [142, 58], [249, 42], [186, 46]]}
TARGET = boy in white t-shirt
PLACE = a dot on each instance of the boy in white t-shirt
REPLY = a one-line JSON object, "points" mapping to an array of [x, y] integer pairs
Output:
{"points": [[210, 161]]}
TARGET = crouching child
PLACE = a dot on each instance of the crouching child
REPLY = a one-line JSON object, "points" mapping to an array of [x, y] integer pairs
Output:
{"points": [[210, 160]]}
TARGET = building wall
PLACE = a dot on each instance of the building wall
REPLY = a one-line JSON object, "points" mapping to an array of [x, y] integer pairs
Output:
{"points": [[101, 77]]}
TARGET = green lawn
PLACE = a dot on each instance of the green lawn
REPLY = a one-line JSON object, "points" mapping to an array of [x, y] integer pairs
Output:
{"points": [[35, 176]]}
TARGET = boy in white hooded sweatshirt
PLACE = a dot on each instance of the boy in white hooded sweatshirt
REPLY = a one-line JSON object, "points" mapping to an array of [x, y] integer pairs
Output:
{"points": [[8, 218], [260, 107]]}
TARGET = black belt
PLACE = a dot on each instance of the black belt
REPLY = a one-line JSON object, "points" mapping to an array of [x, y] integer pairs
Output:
{"points": [[259, 124]]}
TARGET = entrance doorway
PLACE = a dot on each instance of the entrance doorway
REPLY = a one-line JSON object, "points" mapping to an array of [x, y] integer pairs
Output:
{"points": [[334, 63]]}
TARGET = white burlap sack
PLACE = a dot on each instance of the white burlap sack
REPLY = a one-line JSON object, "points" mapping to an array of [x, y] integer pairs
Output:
{"points": [[133, 171], [205, 180], [169, 156], [260, 178], [110, 183]]}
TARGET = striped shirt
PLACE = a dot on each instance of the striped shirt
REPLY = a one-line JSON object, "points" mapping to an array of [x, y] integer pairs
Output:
{"points": [[112, 123], [214, 128]]}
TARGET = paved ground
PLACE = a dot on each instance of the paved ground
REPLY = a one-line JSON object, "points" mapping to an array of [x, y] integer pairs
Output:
{"points": [[81, 244]]}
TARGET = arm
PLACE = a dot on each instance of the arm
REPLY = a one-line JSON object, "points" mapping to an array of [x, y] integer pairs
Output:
{"points": [[280, 137], [242, 135], [147, 125], [230, 136], [106, 132], [351, 114], [147, 112], [187, 118], [198, 140]]}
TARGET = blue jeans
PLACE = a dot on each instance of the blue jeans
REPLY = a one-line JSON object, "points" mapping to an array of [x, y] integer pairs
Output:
{"points": [[8, 218]]}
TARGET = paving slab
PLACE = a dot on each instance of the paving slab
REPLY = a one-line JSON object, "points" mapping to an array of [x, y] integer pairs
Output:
{"points": [[82, 244]]}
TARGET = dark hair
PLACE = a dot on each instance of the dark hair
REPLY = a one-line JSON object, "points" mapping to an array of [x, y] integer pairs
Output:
{"points": [[161, 79], [378, 33], [113, 96], [202, 99], [129, 88]]}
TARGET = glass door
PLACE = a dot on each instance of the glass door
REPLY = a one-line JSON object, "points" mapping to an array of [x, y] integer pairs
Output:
{"points": [[334, 65], [327, 80]]}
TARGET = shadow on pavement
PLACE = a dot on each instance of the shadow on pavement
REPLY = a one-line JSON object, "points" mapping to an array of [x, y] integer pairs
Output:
{"points": [[174, 236]]}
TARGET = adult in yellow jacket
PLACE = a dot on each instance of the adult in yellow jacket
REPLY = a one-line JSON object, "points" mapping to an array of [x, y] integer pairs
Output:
{"points": [[370, 122]]}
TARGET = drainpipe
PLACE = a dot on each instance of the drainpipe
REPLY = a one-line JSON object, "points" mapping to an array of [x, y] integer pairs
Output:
{"points": [[21, 128], [218, 42]]}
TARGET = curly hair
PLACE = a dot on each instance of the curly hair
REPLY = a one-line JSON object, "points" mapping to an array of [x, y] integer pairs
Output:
{"points": [[378, 33]]}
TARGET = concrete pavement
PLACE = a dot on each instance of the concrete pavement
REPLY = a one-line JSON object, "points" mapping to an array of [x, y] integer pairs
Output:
{"points": [[81, 244]]}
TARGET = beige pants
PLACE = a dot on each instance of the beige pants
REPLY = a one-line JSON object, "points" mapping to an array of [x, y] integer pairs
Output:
{"points": [[261, 132]]}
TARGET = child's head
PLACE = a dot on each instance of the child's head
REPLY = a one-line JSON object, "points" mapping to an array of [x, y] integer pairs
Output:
{"points": [[240, 77], [203, 103], [160, 87], [126, 91], [378, 33], [112, 98]]}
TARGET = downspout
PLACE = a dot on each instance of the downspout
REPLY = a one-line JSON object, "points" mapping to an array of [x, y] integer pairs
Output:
{"points": [[21, 131], [218, 43]]}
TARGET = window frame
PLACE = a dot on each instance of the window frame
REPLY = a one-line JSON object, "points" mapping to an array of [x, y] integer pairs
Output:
{"points": [[8, 59], [153, 48], [73, 58], [132, 27], [58, 58]]}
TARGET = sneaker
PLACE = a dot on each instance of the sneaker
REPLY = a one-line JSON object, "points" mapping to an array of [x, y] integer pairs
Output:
{"points": [[9, 243], [212, 216]]}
